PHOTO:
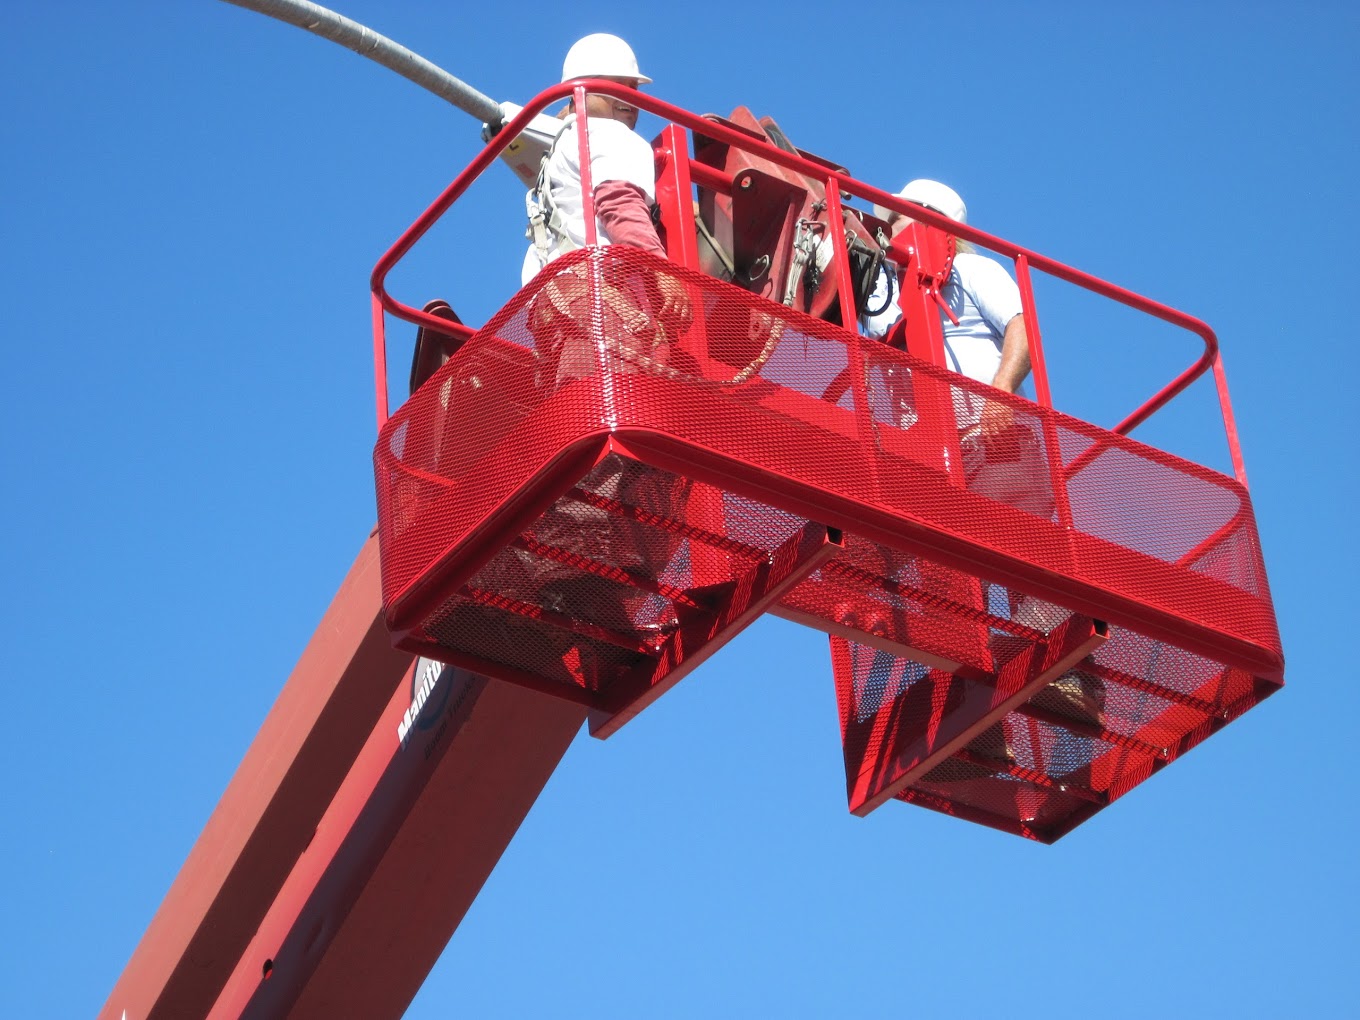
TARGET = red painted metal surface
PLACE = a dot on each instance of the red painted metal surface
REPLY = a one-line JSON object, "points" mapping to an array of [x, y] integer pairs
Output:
{"points": [[462, 474], [540, 529], [587, 589], [583, 162], [586, 531], [903, 725], [674, 186], [749, 142], [313, 890], [1160, 547], [270, 809], [403, 849], [1076, 745]]}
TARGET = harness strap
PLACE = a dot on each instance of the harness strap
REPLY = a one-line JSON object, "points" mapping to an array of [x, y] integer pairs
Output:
{"points": [[805, 253], [546, 223]]}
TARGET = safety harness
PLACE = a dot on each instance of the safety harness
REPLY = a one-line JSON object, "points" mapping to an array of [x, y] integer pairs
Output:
{"points": [[546, 222]]}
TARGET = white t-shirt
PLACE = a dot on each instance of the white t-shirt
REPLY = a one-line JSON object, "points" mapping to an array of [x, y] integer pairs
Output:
{"points": [[617, 153], [983, 298]]}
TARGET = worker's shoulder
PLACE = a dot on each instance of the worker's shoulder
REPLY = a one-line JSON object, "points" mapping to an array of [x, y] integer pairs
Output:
{"points": [[974, 264], [975, 259], [615, 132]]}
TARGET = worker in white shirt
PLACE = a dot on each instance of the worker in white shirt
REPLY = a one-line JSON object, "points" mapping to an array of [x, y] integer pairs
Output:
{"points": [[985, 340], [622, 173], [644, 310]]}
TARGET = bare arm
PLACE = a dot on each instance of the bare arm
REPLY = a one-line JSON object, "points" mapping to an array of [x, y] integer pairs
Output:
{"points": [[1014, 367]]}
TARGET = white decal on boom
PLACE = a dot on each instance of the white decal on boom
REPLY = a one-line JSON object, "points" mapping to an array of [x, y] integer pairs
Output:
{"points": [[428, 678]]}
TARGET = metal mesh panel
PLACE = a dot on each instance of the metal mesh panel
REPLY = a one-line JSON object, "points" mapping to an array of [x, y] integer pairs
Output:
{"points": [[904, 604], [527, 644], [589, 593], [769, 404], [589, 492], [1072, 747]]}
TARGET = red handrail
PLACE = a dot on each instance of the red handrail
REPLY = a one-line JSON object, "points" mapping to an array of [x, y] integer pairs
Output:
{"points": [[836, 184]]}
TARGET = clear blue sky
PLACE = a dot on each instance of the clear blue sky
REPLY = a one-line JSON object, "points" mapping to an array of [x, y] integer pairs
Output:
{"points": [[194, 197]]}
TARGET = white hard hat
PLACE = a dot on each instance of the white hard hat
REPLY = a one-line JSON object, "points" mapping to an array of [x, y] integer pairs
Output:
{"points": [[933, 195], [602, 56]]}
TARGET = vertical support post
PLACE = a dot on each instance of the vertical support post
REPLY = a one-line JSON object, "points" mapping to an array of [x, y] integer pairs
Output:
{"points": [[675, 197], [835, 220], [583, 153], [925, 340], [1053, 451], [594, 265], [1229, 422], [379, 357], [675, 200], [1036, 346], [859, 370], [924, 334], [936, 411]]}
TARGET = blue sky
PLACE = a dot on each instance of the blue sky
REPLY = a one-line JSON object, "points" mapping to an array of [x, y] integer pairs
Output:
{"points": [[195, 198]]}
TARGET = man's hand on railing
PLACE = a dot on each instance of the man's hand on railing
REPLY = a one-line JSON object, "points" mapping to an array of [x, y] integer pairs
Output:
{"points": [[996, 418], [675, 309]]}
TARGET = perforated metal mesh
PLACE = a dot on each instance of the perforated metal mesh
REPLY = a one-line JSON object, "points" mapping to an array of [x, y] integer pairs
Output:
{"points": [[902, 602], [589, 595], [516, 537], [1074, 746]]}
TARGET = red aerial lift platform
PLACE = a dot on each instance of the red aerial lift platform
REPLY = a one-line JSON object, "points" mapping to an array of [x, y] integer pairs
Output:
{"points": [[1018, 647]]}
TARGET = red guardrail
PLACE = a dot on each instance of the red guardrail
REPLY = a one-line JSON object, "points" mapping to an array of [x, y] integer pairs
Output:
{"points": [[835, 183]]}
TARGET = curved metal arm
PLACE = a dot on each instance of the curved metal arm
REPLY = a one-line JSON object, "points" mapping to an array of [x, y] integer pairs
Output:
{"points": [[367, 43]]}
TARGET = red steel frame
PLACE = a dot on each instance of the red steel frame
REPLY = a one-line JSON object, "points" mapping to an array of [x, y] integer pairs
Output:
{"points": [[1016, 683], [677, 168], [658, 449]]}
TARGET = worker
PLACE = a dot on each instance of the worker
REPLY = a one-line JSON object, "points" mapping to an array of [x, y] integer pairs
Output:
{"points": [[985, 340], [644, 311], [621, 172]]}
